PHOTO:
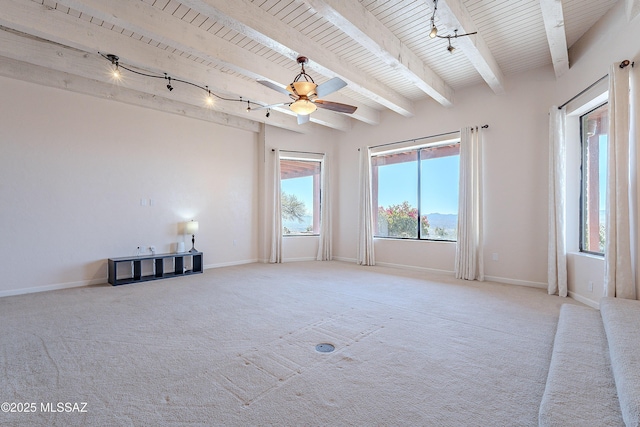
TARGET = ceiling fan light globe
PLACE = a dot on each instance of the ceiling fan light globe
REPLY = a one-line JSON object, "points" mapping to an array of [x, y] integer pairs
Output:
{"points": [[305, 88], [303, 107]]}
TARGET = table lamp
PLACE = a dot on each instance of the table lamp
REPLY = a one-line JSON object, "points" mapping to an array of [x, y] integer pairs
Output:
{"points": [[191, 227]]}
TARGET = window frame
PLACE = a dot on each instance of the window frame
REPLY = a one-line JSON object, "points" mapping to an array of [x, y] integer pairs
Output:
{"points": [[581, 207], [404, 148], [316, 196]]}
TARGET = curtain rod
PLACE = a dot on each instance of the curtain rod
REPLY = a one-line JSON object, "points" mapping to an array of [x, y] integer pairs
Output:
{"points": [[299, 152], [422, 137], [583, 91], [622, 65]]}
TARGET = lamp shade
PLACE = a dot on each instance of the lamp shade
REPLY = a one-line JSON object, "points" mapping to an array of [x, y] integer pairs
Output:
{"points": [[303, 88], [191, 227], [303, 107]]}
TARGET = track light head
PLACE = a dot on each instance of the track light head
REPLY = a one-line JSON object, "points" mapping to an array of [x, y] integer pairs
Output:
{"points": [[208, 100], [113, 58], [115, 73], [169, 85], [451, 48], [248, 107], [434, 30], [268, 113]]}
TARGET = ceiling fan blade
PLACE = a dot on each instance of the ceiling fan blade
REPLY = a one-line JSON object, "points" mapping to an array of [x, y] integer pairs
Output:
{"points": [[273, 86], [330, 86], [303, 119], [335, 106]]}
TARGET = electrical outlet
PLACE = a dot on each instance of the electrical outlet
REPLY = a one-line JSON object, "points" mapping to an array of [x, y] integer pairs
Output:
{"points": [[494, 256], [590, 286]]}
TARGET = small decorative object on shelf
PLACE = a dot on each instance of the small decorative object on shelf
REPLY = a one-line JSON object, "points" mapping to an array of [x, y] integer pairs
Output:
{"points": [[179, 267]]}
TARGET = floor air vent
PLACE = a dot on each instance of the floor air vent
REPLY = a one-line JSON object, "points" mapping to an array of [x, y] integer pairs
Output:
{"points": [[325, 348]]}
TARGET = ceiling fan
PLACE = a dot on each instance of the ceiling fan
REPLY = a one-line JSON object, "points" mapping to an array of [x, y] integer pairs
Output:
{"points": [[305, 94]]}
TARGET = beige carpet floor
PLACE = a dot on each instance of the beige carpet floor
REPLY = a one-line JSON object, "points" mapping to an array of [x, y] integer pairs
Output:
{"points": [[235, 346]]}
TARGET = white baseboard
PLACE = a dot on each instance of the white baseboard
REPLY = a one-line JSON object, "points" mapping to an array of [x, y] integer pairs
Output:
{"points": [[497, 279], [344, 259], [299, 259], [516, 282], [415, 268], [102, 281], [53, 287], [585, 301], [229, 264], [266, 261]]}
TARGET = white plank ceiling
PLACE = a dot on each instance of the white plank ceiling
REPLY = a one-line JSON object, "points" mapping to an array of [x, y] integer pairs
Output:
{"points": [[381, 48]]}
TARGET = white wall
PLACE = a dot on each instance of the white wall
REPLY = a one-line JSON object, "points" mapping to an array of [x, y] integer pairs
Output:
{"points": [[515, 178], [516, 165], [74, 168]]}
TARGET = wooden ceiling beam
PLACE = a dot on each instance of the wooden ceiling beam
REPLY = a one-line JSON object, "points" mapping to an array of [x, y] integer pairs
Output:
{"points": [[147, 21], [31, 49], [60, 80], [553, 18], [632, 8], [86, 39], [455, 16], [364, 28], [253, 22]]}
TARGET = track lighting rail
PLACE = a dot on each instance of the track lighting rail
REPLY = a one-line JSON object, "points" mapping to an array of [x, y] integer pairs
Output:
{"points": [[434, 30], [115, 60]]}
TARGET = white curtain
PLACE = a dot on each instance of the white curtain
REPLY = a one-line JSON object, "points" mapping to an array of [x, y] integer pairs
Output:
{"points": [[469, 262], [619, 280], [325, 252], [276, 227], [557, 254], [365, 211]]}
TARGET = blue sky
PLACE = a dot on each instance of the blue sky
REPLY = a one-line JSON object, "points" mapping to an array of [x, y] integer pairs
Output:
{"points": [[398, 182], [302, 188]]}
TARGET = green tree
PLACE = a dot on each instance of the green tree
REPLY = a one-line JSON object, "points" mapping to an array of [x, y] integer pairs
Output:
{"points": [[402, 221]]}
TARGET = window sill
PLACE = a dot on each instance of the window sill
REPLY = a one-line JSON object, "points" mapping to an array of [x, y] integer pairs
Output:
{"points": [[400, 239], [586, 255]]}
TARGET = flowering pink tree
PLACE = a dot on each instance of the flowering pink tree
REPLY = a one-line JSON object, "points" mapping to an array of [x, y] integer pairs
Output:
{"points": [[401, 221]]}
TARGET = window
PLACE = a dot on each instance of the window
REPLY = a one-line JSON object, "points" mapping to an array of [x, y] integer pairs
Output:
{"points": [[593, 133], [300, 196], [416, 192]]}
